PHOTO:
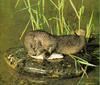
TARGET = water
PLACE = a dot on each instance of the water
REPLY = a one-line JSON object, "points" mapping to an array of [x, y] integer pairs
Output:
{"points": [[12, 24]]}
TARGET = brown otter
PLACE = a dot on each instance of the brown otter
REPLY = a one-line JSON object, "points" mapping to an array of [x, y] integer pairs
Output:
{"points": [[39, 42]]}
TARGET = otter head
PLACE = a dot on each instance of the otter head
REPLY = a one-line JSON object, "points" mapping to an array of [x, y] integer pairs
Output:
{"points": [[80, 32]]}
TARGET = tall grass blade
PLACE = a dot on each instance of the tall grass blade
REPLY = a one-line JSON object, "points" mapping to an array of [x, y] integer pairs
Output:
{"points": [[30, 12], [24, 30], [45, 20], [81, 11], [89, 27], [57, 28], [82, 61], [17, 3], [25, 8], [54, 4], [67, 28], [74, 9], [84, 73]]}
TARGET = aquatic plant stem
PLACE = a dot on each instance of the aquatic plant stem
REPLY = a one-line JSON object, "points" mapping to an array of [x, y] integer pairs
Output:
{"points": [[30, 11], [17, 3], [24, 30], [79, 23], [60, 21], [74, 9], [84, 73], [88, 28], [76, 12]]}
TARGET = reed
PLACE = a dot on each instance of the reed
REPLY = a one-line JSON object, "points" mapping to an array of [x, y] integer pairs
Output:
{"points": [[17, 3], [81, 61], [36, 16], [24, 30], [38, 19], [61, 25], [78, 13], [89, 27]]}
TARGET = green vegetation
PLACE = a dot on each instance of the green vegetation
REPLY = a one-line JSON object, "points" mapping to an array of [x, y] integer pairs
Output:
{"points": [[38, 19], [61, 25]]}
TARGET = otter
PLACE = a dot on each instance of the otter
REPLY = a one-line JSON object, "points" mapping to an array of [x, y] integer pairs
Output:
{"points": [[40, 42]]}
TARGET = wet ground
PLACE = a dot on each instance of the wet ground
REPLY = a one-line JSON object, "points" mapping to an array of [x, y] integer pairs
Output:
{"points": [[11, 26]]}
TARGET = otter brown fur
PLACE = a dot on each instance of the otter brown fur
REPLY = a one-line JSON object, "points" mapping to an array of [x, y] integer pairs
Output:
{"points": [[38, 42], [71, 44]]}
